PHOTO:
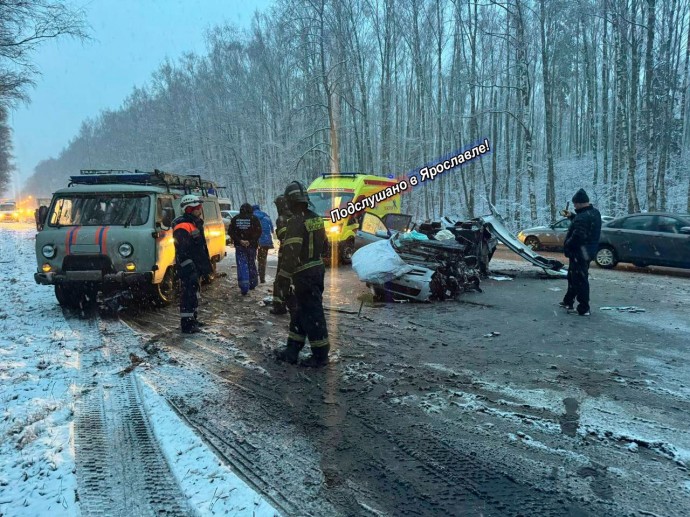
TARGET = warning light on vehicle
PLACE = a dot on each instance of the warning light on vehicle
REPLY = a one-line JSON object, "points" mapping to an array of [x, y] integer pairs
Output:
{"points": [[46, 268], [131, 266], [334, 229]]}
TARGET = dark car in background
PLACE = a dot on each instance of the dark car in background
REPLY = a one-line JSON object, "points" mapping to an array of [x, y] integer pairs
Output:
{"points": [[550, 237], [648, 239]]}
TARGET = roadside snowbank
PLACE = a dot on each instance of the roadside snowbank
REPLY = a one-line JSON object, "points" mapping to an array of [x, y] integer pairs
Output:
{"points": [[211, 487], [39, 361]]}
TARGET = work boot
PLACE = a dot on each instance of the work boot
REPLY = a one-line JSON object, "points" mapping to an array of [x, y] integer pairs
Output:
{"points": [[318, 357], [190, 328], [566, 305], [289, 354]]}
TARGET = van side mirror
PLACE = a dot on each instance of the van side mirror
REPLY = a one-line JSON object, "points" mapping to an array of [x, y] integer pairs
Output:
{"points": [[685, 230], [40, 216], [167, 219]]}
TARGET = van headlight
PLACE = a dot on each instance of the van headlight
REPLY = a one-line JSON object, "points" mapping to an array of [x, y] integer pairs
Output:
{"points": [[125, 249], [49, 251]]}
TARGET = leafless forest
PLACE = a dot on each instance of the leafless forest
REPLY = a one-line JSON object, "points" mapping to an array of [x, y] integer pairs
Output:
{"points": [[585, 93]]}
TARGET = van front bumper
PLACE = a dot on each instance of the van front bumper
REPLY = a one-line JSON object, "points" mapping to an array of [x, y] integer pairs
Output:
{"points": [[122, 278]]}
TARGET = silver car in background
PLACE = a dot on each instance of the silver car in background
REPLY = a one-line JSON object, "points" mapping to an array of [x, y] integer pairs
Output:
{"points": [[550, 237]]}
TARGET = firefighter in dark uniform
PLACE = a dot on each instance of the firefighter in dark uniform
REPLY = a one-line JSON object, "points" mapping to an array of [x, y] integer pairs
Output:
{"points": [[280, 298], [192, 259], [301, 264]]}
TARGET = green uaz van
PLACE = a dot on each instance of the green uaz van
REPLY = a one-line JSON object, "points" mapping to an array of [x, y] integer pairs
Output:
{"points": [[111, 230]]}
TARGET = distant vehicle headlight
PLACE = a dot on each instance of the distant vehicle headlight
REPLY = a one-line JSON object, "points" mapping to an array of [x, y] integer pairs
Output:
{"points": [[49, 251], [125, 249], [334, 229]]}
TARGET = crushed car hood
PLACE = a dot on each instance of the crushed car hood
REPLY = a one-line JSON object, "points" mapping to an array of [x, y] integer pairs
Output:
{"points": [[495, 225]]}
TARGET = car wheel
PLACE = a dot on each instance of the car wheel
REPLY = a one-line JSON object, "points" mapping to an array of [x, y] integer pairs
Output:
{"points": [[606, 257], [533, 243], [346, 252], [164, 293]]}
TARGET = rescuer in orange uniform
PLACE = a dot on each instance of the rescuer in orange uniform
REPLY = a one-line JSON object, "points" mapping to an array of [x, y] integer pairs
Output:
{"points": [[192, 260]]}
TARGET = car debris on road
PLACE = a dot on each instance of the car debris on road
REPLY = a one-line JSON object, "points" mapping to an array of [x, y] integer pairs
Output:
{"points": [[630, 308]]}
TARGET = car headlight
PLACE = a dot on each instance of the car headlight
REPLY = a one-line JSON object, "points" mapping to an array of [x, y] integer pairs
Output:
{"points": [[49, 251], [125, 249]]}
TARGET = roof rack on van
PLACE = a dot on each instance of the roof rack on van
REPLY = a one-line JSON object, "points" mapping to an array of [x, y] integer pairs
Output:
{"points": [[171, 181], [334, 174]]}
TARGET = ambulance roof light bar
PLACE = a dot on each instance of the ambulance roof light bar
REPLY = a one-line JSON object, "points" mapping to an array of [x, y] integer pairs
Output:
{"points": [[338, 174]]}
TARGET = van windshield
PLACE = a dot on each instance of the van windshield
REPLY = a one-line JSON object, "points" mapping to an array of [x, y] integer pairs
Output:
{"points": [[324, 202], [8, 207], [102, 209]]}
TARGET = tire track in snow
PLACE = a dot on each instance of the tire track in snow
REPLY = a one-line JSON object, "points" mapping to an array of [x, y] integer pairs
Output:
{"points": [[120, 467]]}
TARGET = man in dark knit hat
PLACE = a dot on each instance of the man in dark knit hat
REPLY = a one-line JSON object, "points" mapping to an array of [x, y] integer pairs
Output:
{"points": [[581, 245]]}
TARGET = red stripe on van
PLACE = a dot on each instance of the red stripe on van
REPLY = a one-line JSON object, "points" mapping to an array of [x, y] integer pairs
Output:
{"points": [[104, 241]]}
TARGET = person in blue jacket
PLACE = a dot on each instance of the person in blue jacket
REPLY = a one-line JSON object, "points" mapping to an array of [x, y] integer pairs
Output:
{"points": [[265, 241]]}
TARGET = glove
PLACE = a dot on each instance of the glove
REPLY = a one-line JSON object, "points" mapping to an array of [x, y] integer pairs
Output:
{"points": [[282, 287]]}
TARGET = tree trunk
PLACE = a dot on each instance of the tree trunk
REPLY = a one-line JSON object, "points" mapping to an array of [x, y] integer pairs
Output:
{"points": [[548, 116], [605, 104], [591, 103], [525, 114], [648, 107], [633, 201]]}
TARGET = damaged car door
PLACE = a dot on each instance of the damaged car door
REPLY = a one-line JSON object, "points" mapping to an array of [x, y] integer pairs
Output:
{"points": [[373, 228]]}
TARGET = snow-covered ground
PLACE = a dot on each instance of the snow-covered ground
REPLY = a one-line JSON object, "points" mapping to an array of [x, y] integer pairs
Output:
{"points": [[40, 386]]}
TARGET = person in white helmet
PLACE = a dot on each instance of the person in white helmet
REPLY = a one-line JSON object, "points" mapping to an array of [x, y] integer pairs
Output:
{"points": [[192, 259]]}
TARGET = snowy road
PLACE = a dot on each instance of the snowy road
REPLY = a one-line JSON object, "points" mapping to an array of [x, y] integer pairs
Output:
{"points": [[419, 414]]}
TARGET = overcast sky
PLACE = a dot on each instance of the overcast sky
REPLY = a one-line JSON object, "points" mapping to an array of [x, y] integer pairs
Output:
{"points": [[130, 39]]}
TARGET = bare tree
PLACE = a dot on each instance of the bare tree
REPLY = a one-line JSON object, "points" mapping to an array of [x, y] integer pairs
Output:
{"points": [[23, 27]]}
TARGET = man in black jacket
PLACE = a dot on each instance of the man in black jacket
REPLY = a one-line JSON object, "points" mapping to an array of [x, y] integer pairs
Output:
{"points": [[581, 245], [245, 231], [192, 258]]}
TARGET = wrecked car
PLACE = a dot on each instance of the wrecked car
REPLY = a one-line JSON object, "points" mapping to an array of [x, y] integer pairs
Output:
{"points": [[438, 260], [431, 264]]}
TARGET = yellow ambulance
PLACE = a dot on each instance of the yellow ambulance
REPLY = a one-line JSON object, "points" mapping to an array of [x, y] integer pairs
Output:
{"points": [[335, 191]]}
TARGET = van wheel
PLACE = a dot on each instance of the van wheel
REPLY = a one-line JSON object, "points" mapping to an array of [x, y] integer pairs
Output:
{"points": [[75, 297], [346, 252], [67, 296], [164, 293]]}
